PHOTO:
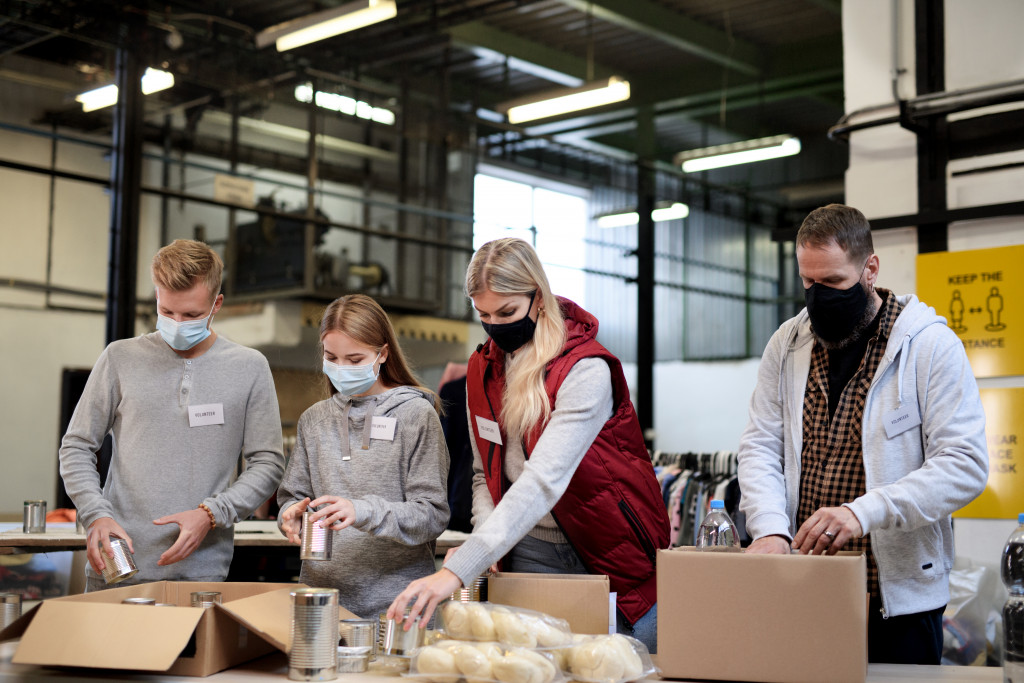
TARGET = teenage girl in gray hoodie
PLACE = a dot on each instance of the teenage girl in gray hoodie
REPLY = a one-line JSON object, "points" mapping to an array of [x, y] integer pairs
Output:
{"points": [[371, 460]]}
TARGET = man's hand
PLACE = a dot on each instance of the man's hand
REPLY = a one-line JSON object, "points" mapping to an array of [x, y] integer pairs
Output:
{"points": [[193, 526], [339, 513], [827, 531], [769, 545], [291, 521], [97, 542], [425, 594]]}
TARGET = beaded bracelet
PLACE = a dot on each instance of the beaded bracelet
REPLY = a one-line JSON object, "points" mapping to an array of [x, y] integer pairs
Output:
{"points": [[213, 520]]}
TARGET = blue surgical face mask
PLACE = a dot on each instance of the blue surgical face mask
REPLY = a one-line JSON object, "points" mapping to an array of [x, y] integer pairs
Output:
{"points": [[351, 380], [186, 334]]}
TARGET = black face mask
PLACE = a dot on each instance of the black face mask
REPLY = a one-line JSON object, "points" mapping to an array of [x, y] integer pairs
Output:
{"points": [[511, 336], [835, 313]]}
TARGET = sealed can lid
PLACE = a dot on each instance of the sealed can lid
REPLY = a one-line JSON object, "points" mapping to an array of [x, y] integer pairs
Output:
{"points": [[139, 601], [10, 598], [35, 502], [315, 596]]}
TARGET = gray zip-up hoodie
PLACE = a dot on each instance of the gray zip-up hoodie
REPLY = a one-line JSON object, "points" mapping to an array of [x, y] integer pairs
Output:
{"points": [[915, 479], [398, 488]]}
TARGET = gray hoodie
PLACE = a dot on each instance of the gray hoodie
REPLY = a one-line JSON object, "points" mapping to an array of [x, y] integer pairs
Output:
{"points": [[915, 479], [398, 488]]}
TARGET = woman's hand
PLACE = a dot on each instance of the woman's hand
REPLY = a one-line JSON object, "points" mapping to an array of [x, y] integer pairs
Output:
{"points": [[339, 513], [425, 595], [291, 521]]}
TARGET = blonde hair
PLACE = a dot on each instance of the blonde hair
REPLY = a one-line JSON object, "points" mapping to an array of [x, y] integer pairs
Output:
{"points": [[510, 266], [362, 319], [184, 263]]}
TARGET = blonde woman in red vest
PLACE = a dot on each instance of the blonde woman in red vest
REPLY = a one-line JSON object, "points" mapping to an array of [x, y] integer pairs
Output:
{"points": [[562, 480]]}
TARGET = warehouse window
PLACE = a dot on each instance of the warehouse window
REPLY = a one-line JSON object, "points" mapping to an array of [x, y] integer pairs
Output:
{"points": [[550, 218]]}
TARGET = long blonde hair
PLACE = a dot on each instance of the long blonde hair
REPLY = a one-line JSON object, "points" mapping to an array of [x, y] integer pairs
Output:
{"points": [[362, 319], [510, 266]]}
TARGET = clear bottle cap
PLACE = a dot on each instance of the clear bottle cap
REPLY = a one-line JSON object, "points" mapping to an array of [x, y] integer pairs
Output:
{"points": [[718, 505]]}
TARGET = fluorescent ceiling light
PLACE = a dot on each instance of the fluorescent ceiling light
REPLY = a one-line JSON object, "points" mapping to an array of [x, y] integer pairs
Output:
{"points": [[344, 104], [735, 153], [153, 81], [565, 100], [663, 212], [326, 24]]}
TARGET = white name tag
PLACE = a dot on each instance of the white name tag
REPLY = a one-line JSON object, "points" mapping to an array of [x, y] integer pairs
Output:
{"points": [[209, 414], [900, 420], [383, 428], [488, 429]]}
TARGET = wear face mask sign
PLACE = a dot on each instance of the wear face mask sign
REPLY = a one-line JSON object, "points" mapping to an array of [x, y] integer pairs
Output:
{"points": [[510, 337], [352, 380], [182, 336]]}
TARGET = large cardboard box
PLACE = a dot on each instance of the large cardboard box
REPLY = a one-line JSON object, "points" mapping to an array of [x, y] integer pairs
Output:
{"points": [[580, 599], [96, 630], [766, 618]]}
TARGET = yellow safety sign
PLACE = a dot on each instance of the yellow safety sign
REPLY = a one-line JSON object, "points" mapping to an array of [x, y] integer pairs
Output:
{"points": [[1004, 430], [981, 295]]}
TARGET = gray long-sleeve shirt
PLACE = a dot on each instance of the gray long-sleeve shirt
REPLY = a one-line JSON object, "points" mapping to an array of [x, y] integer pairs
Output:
{"points": [[397, 485], [140, 392], [582, 407]]}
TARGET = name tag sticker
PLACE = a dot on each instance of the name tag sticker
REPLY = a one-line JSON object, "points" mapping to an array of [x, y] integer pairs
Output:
{"points": [[209, 414], [383, 428], [901, 419], [488, 429]]}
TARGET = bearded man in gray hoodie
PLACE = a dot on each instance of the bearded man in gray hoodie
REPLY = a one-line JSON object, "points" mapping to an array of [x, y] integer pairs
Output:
{"points": [[866, 432]]}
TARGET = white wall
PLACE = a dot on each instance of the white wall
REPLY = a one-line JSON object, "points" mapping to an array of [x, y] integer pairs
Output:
{"points": [[881, 181]]}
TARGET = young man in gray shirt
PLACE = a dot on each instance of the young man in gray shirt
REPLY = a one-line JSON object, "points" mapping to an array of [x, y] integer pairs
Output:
{"points": [[181, 405]]}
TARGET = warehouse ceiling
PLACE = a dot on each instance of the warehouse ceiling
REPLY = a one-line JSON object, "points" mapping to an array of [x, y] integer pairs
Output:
{"points": [[709, 71]]}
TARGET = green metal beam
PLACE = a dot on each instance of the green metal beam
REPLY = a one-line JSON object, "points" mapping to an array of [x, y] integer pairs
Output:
{"points": [[677, 30], [833, 6]]}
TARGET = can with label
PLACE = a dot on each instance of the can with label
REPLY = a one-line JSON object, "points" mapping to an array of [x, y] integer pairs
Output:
{"points": [[122, 565]]}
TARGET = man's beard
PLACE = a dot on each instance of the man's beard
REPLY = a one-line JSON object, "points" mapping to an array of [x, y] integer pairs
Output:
{"points": [[864, 323]]}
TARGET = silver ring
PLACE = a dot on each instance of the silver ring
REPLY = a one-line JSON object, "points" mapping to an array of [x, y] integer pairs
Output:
{"points": [[831, 536]]}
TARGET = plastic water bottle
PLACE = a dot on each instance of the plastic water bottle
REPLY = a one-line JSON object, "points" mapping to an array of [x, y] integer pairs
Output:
{"points": [[1012, 570], [718, 531]]}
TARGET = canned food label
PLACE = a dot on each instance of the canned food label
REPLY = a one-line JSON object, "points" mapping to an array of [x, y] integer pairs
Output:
{"points": [[207, 414], [383, 428]]}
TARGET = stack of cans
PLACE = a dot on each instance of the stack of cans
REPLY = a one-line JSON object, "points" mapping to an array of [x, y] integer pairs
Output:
{"points": [[206, 598], [314, 651], [122, 565], [10, 608], [356, 647], [475, 592], [316, 541]]}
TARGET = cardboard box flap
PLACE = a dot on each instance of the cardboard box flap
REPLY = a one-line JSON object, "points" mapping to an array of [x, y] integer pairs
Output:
{"points": [[262, 615], [110, 636]]}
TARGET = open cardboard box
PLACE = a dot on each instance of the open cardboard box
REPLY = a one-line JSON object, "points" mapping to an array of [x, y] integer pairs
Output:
{"points": [[96, 630], [766, 618], [580, 599]]}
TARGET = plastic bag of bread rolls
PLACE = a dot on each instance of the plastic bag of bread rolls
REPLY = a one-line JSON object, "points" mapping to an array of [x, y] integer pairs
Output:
{"points": [[511, 626], [453, 661], [606, 659]]}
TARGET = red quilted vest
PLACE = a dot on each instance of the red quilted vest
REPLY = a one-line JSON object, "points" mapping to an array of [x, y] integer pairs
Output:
{"points": [[612, 512]]}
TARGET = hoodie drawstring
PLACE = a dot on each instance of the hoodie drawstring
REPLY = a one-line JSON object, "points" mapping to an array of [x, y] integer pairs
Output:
{"points": [[367, 422]]}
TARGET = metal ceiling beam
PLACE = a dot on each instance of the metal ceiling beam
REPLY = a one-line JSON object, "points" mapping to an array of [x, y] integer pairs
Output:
{"points": [[677, 30], [478, 34]]}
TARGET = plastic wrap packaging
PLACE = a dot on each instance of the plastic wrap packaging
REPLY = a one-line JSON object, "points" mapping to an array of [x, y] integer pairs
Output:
{"points": [[461, 661], [605, 659], [510, 626]]}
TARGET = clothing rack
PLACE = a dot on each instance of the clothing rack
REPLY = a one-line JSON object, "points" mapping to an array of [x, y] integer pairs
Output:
{"points": [[689, 481], [718, 463]]}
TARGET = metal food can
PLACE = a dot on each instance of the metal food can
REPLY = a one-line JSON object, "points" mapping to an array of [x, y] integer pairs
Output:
{"points": [[122, 565], [316, 540], [475, 592], [314, 652], [10, 608], [35, 517], [206, 598], [139, 601], [357, 634], [352, 662], [394, 641]]}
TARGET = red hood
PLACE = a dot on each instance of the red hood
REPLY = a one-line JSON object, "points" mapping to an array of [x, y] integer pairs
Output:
{"points": [[580, 326]]}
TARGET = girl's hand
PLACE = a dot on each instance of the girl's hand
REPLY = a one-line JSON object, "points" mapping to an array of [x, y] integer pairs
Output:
{"points": [[291, 521], [338, 514], [424, 595]]}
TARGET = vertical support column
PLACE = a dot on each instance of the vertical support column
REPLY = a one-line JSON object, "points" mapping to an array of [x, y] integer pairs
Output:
{"points": [[645, 191], [312, 173], [125, 182], [231, 247], [932, 135]]}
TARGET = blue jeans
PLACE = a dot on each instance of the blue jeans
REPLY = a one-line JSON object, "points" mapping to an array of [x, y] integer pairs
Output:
{"points": [[541, 557]]}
